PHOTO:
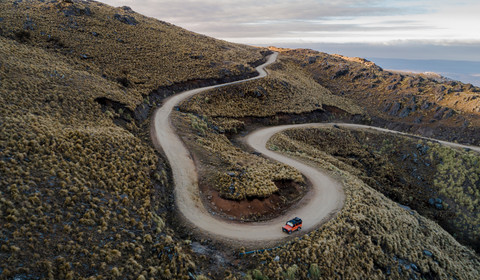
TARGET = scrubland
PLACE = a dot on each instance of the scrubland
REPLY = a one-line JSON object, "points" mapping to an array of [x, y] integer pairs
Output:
{"points": [[84, 198], [81, 197], [137, 52], [438, 181], [212, 115], [234, 173], [371, 238]]}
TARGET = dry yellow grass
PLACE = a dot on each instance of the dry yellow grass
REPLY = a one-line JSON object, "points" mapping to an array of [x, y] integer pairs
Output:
{"points": [[410, 171], [79, 196], [287, 89], [419, 103], [83, 198], [78, 193]]}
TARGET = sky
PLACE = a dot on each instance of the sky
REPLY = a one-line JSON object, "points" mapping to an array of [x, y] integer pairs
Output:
{"points": [[407, 29]]}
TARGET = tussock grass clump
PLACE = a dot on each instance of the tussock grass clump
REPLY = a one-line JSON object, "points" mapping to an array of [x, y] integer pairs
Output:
{"points": [[287, 89], [457, 180], [371, 238], [83, 194]]}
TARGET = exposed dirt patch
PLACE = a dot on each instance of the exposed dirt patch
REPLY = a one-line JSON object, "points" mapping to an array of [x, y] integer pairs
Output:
{"points": [[253, 209], [245, 210]]}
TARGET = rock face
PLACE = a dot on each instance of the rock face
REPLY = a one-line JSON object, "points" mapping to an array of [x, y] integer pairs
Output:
{"points": [[443, 113], [395, 108], [76, 11], [126, 19], [399, 100]]}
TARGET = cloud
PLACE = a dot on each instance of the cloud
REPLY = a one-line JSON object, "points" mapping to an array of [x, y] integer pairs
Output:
{"points": [[380, 22], [209, 15]]}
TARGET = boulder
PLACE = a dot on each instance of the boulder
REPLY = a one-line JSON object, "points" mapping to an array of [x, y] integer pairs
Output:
{"points": [[427, 253], [126, 19]]}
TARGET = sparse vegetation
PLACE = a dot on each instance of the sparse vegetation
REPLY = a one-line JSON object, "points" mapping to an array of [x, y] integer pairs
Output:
{"points": [[80, 196], [234, 173], [84, 198], [217, 114], [137, 53], [78, 193]]}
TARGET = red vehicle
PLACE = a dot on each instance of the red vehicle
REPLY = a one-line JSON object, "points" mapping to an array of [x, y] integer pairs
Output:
{"points": [[292, 225]]}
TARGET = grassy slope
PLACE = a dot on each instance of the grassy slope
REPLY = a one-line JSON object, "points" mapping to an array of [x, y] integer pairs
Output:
{"points": [[372, 238], [79, 195], [420, 103], [122, 46], [287, 89], [234, 173], [409, 171], [83, 197]]}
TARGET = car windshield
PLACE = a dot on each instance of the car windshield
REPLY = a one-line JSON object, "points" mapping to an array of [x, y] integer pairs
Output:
{"points": [[290, 224]]}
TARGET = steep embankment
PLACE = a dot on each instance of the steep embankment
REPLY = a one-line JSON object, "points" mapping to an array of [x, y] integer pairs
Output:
{"points": [[372, 237], [438, 181], [142, 55], [81, 197], [240, 184]]}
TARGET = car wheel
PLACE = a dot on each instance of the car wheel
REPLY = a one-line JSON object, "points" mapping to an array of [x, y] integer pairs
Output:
{"points": [[299, 228], [290, 232]]}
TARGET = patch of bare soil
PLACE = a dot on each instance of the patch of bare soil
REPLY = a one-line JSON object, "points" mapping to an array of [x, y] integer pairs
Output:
{"points": [[253, 209]]}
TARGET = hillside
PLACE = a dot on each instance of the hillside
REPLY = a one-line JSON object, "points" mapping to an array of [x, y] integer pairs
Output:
{"points": [[419, 103], [80, 195], [140, 55], [84, 194], [439, 182], [230, 176], [372, 238]]}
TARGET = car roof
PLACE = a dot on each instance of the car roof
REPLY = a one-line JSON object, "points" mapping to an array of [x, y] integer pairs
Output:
{"points": [[296, 220]]}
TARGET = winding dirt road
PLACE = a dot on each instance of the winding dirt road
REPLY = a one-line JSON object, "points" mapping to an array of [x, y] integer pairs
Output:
{"points": [[322, 202]]}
